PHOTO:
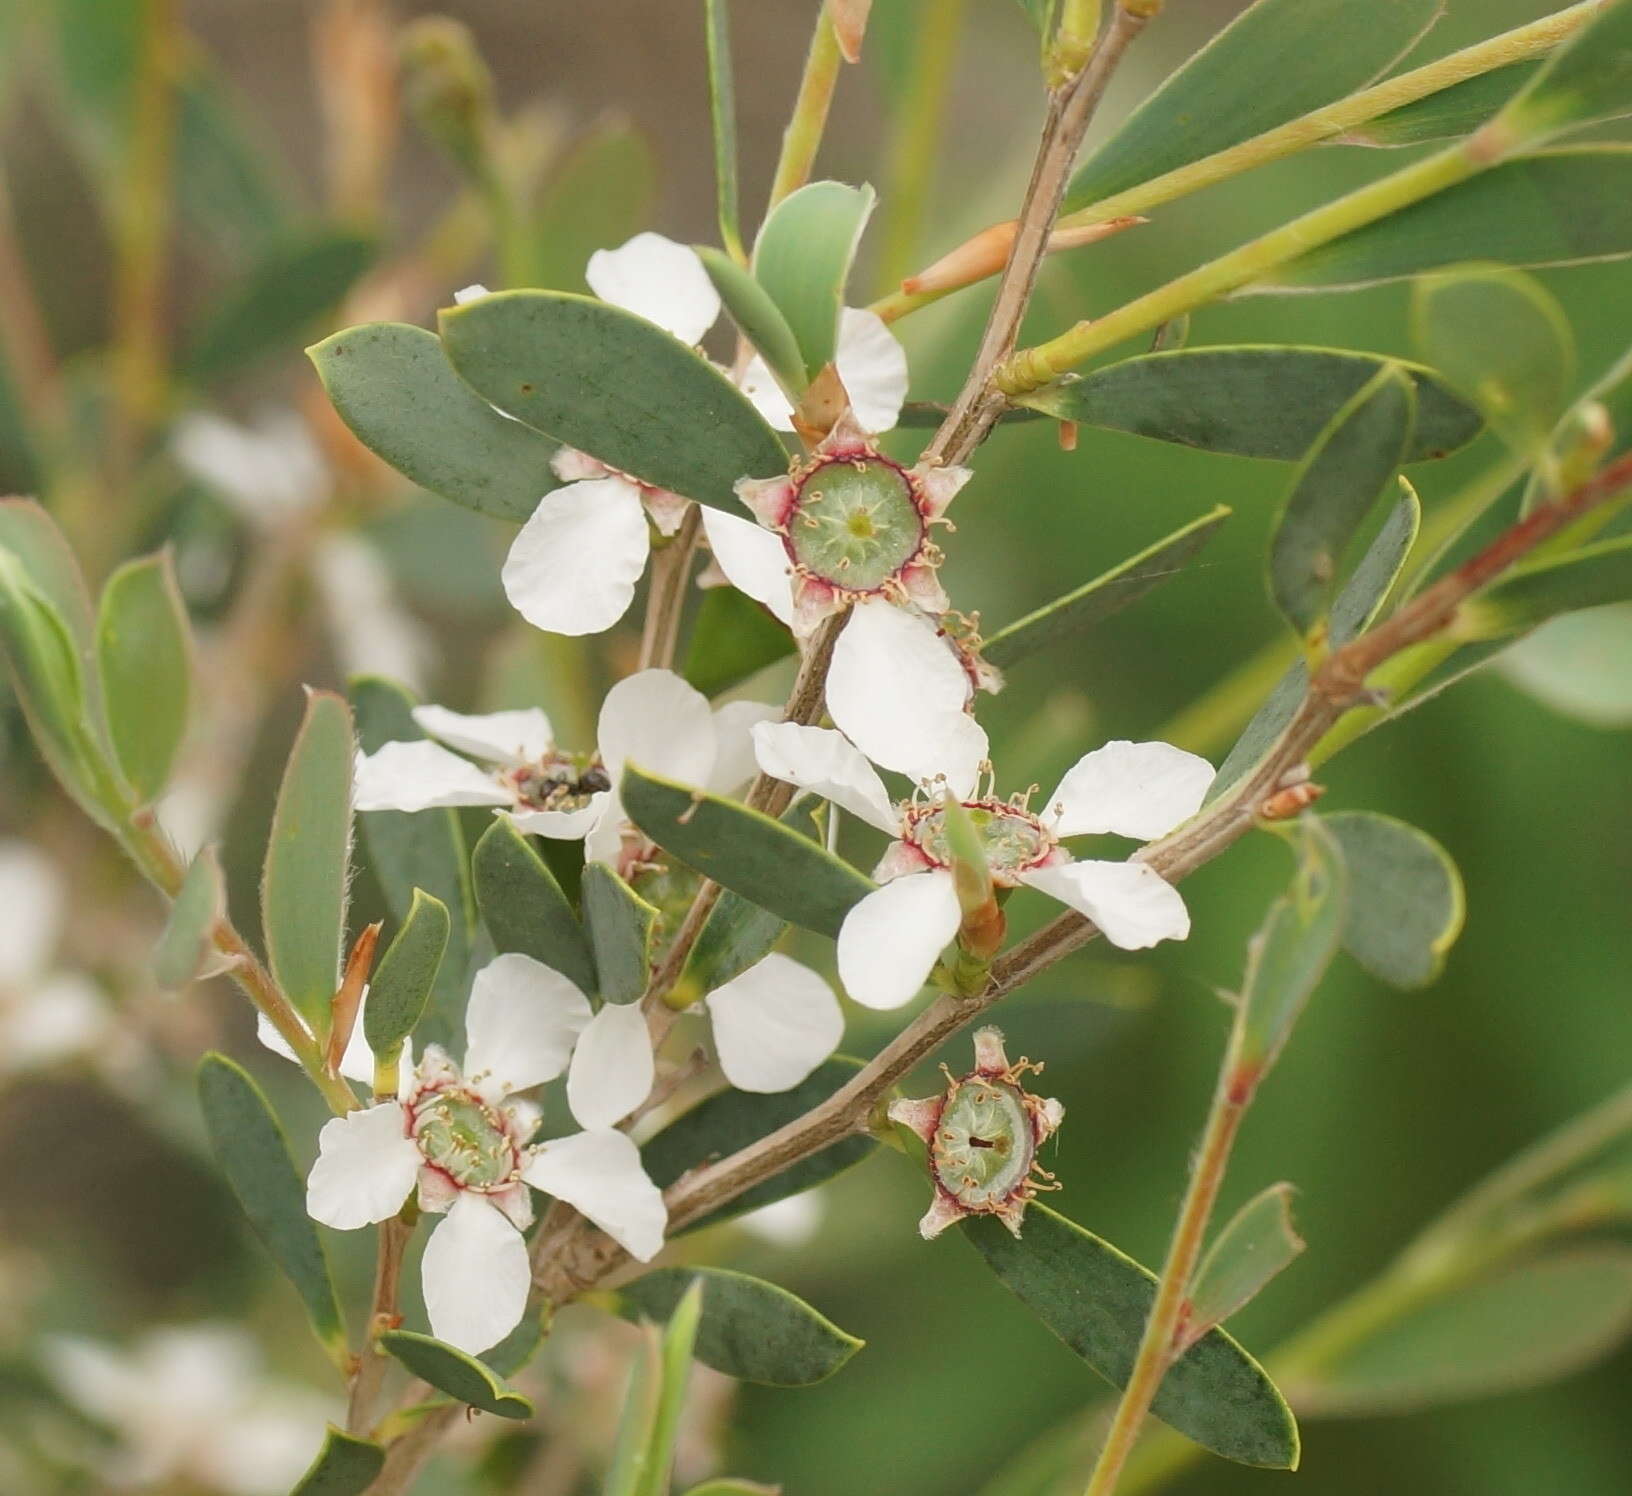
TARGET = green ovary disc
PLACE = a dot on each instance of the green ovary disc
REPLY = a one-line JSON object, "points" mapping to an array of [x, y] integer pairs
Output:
{"points": [[855, 524]]}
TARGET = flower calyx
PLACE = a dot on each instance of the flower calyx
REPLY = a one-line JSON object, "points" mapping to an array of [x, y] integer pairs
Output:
{"points": [[983, 1134]]}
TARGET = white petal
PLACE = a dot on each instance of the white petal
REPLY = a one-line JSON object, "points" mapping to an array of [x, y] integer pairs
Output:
{"points": [[605, 840], [753, 559], [268, 472], [104, 1382], [573, 566], [826, 762], [872, 365], [664, 725], [1142, 790], [890, 940], [467, 294], [897, 691], [64, 1015], [563, 825], [600, 1174], [765, 394], [612, 1067], [357, 1063], [32, 900], [521, 1024], [786, 1223], [500, 737], [774, 1024], [272, 1039], [420, 774], [1133, 905], [735, 758], [659, 280], [369, 629], [475, 1275], [366, 1165]]}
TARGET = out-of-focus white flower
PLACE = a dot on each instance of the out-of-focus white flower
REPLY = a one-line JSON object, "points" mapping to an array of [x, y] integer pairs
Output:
{"points": [[373, 634], [192, 1409], [269, 471], [786, 1223]]}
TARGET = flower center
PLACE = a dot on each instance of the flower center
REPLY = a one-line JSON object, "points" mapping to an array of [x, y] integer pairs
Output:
{"points": [[465, 1138], [1013, 839], [557, 782], [982, 1150], [855, 523]]}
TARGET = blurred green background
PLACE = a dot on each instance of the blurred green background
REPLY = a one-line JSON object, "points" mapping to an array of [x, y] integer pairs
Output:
{"points": [[1387, 1104]]}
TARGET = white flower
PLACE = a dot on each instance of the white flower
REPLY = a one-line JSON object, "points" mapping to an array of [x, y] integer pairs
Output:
{"points": [[653, 718], [573, 566], [891, 939], [46, 1015], [461, 1137], [192, 1410]]}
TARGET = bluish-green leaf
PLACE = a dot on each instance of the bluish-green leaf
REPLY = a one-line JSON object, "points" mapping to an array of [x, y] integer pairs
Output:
{"points": [[732, 637], [679, 1341], [1347, 470], [1096, 1299], [1577, 665], [1565, 207], [523, 907], [619, 923], [1503, 340], [1251, 400], [391, 384], [308, 860], [802, 258], [345, 1466], [758, 318], [266, 311], [462, 1377], [406, 974], [1587, 80], [745, 851], [751, 1330], [1256, 1243], [1279, 59], [632, 1446], [1530, 595], [603, 192], [729, 1485], [1108, 593], [1405, 897], [32, 535], [200, 902], [733, 1119], [1449, 114], [722, 98], [611, 384], [254, 1155], [145, 666]]}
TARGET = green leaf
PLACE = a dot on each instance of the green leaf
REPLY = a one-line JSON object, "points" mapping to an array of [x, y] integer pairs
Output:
{"points": [[728, 1485], [1503, 340], [1449, 114], [1293, 947], [611, 384], [751, 1330], [1250, 401], [462, 1377], [732, 638], [747, 852], [1518, 1327], [303, 883], [1278, 60], [523, 907], [265, 311], [406, 974], [1587, 80], [1258, 1242], [620, 923], [679, 1340], [758, 318], [722, 100], [394, 389], [1568, 207], [1347, 470], [51, 567], [1108, 593], [254, 1154], [802, 258], [345, 1466], [1096, 1299], [1530, 595], [517, 1348], [1576, 665], [1405, 897], [200, 902], [732, 1119], [604, 192], [144, 663], [633, 1444]]}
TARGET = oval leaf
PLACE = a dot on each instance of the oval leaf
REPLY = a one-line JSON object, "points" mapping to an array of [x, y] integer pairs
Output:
{"points": [[1096, 1299], [1405, 897], [345, 1466], [1589, 577], [620, 924], [403, 981], [1577, 666], [1587, 80], [611, 384], [200, 902], [254, 1155], [303, 883], [1257, 1243], [462, 1377], [1250, 401], [750, 1329], [749, 853], [144, 662], [523, 907], [758, 318], [391, 384]]}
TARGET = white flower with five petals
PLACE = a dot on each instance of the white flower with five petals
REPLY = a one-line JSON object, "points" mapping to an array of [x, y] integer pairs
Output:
{"points": [[461, 1137], [891, 939]]}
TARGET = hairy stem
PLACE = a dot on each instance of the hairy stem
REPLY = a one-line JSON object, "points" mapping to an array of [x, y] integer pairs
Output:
{"points": [[365, 1383], [803, 136]]}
